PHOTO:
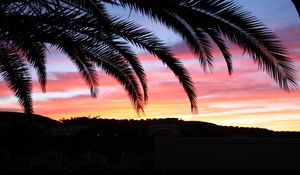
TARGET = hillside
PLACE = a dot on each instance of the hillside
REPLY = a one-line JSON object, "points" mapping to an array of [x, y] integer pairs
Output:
{"points": [[22, 117], [141, 128], [12, 123]]}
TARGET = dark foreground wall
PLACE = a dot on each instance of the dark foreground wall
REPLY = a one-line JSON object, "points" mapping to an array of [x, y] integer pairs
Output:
{"points": [[125, 155], [178, 153], [70, 154]]}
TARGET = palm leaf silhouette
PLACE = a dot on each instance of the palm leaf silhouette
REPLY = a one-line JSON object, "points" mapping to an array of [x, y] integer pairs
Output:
{"points": [[16, 74], [92, 38]]}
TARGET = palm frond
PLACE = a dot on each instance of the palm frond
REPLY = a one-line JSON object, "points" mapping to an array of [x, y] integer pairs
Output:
{"points": [[250, 34], [124, 74], [107, 59], [108, 38], [86, 69], [91, 37], [113, 64], [31, 49], [234, 23], [146, 40], [35, 54], [84, 64], [157, 10], [142, 38], [125, 51], [215, 36], [297, 6], [205, 56], [16, 75]]}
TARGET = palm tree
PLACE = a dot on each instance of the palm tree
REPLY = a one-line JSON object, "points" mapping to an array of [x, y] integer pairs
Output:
{"points": [[92, 38]]}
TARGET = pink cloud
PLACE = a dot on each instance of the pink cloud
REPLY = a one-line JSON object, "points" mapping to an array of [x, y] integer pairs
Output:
{"points": [[247, 89]]}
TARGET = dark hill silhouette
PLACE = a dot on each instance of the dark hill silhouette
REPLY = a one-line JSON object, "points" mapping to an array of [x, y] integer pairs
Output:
{"points": [[141, 128], [22, 117], [36, 144], [12, 123]]}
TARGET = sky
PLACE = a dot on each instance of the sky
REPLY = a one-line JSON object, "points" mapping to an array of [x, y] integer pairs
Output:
{"points": [[247, 98]]}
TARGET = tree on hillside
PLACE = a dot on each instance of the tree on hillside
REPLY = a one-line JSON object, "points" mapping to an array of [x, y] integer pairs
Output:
{"points": [[91, 37]]}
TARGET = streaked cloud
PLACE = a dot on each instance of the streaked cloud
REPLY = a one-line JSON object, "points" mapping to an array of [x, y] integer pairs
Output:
{"points": [[249, 97]]}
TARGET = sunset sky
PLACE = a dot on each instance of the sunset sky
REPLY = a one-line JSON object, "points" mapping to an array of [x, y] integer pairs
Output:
{"points": [[247, 98]]}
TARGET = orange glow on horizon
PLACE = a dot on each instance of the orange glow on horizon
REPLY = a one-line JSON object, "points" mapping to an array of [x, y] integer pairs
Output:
{"points": [[249, 97]]}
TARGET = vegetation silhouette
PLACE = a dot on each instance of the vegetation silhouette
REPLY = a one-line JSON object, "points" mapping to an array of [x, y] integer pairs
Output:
{"points": [[91, 37], [85, 145], [17, 125]]}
